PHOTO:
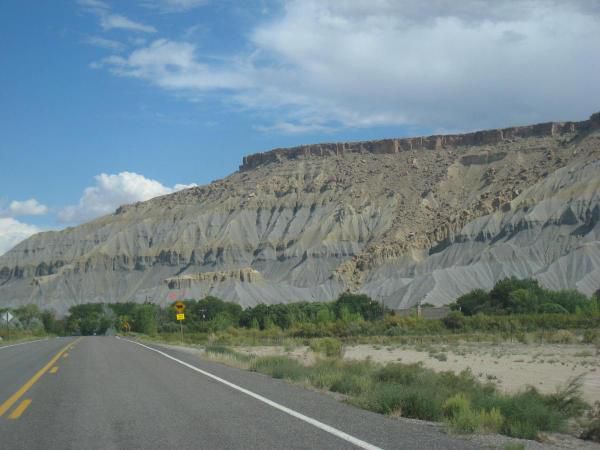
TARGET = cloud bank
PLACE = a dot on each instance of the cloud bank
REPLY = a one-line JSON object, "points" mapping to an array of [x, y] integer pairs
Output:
{"points": [[12, 232], [446, 65], [111, 191], [29, 207]]}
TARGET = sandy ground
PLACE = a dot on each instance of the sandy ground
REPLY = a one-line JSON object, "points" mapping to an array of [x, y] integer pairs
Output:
{"points": [[512, 366]]}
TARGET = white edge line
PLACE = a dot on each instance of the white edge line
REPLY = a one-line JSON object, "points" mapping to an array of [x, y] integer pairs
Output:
{"points": [[21, 343], [329, 429]]}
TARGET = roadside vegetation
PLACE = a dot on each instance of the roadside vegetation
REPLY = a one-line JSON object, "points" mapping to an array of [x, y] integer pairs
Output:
{"points": [[410, 390], [514, 310], [29, 322]]}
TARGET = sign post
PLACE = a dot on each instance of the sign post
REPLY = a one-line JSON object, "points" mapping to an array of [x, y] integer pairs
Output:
{"points": [[180, 308]]}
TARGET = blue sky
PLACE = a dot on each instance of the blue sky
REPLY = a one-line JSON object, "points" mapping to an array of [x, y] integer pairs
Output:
{"points": [[106, 102]]}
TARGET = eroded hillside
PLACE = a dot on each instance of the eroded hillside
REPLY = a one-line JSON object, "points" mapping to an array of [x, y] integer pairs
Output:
{"points": [[404, 220]]}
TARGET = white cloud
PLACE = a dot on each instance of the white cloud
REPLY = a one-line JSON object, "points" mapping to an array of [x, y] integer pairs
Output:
{"points": [[174, 5], [12, 232], [441, 64], [108, 44], [294, 128], [94, 5], [174, 65], [29, 207], [112, 191], [112, 21]]}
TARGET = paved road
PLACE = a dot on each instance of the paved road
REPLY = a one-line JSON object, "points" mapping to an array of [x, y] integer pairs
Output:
{"points": [[110, 393]]}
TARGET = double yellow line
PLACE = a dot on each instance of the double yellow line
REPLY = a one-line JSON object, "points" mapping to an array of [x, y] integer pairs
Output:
{"points": [[23, 389]]}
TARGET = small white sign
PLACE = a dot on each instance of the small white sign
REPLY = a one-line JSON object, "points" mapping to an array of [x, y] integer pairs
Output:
{"points": [[7, 316]]}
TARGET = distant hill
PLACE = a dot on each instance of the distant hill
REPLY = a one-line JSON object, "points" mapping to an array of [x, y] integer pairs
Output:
{"points": [[403, 220]]}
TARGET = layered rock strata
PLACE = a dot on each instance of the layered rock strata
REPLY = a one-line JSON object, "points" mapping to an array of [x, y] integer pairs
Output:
{"points": [[404, 220]]}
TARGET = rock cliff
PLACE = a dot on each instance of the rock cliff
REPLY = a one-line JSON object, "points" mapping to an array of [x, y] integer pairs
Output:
{"points": [[404, 220]]}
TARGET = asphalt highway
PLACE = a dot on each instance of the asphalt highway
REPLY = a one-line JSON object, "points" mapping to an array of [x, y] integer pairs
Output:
{"points": [[111, 393]]}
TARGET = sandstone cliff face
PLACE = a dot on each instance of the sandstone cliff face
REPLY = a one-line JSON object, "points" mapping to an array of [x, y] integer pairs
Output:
{"points": [[403, 220]]}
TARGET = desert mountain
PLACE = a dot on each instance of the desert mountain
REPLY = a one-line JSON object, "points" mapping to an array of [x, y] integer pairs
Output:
{"points": [[403, 220]]}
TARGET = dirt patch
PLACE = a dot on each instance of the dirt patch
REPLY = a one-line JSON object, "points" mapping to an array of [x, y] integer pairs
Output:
{"points": [[510, 366]]}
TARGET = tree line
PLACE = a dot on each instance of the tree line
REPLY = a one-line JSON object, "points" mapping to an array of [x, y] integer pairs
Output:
{"points": [[511, 303]]}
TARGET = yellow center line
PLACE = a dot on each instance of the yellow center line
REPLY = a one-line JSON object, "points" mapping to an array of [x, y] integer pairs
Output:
{"points": [[65, 355], [23, 389], [20, 409], [54, 369]]}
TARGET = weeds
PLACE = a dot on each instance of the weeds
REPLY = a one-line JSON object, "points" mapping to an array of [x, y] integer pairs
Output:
{"points": [[410, 390], [592, 428], [461, 418], [330, 347]]}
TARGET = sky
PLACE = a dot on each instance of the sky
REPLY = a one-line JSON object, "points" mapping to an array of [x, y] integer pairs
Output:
{"points": [[106, 102]]}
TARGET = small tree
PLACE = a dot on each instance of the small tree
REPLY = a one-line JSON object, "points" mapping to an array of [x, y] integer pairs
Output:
{"points": [[454, 321]]}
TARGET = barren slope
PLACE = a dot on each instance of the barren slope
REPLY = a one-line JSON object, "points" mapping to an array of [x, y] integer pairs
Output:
{"points": [[403, 220]]}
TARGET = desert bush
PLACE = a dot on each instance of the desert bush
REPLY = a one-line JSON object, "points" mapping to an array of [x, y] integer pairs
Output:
{"points": [[439, 356], [410, 390], [456, 405], [528, 413], [351, 384], [225, 353], [562, 337], [413, 401], [400, 373], [472, 302], [279, 367], [591, 431], [491, 421], [568, 399], [461, 418], [591, 337], [330, 347], [324, 373], [552, 308], [454, 321]]}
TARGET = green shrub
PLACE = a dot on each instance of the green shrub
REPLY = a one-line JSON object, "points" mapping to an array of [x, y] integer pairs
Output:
{"points": [[351, 384], [222, 350], [454, 321], [562, 337], [462, 419], [279, 367], [472, 302], [528, 413], [330, 347], [400, 373], [552, 308], [591, 337], [568, 399], [440, 356], [323, 374], [413, 401], [456, 405], [491, 421], [591, 431]]}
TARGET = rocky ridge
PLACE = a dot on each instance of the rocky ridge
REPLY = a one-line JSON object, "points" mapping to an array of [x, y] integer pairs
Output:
{"points": [[404, 220]]}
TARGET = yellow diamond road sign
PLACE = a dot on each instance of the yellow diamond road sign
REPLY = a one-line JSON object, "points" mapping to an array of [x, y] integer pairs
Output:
{"points": [[180, 307], [180, 316]]}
